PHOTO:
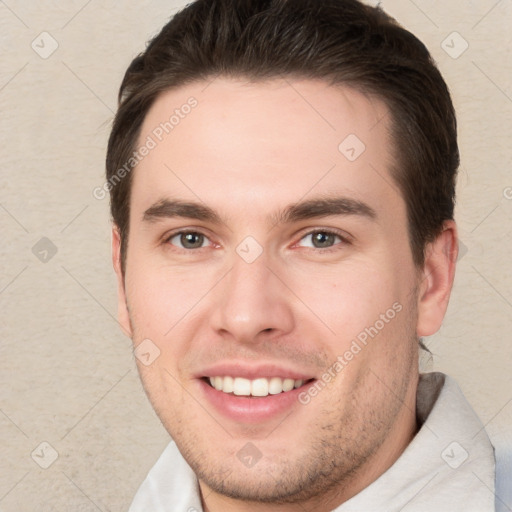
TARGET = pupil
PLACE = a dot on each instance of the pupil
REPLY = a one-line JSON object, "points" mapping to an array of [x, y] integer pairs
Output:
{"points": [[188, 240], [323, 239]]}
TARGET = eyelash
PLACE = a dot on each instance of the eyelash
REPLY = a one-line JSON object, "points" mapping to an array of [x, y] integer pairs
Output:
{"points": [[343, 237], [168, 238], [336, 247]]}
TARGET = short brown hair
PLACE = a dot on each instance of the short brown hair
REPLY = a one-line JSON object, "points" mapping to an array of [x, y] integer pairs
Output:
{"points": [[339, 41]]}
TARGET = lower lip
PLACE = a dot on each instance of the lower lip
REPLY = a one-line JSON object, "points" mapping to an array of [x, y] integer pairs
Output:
{"points": [[252, 410]]}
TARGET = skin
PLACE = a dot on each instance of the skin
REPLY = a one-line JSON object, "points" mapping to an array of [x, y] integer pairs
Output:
{"points": [[247, 151]]}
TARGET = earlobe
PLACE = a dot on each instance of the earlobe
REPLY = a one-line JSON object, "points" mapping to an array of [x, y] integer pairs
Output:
{"points": [[122, 306], [437, 280]]}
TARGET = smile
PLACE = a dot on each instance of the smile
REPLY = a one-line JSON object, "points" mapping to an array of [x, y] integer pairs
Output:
{"points": [[259, 387]]}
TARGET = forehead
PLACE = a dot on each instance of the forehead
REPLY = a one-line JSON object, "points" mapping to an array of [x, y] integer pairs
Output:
{"points": [[263, 143]]}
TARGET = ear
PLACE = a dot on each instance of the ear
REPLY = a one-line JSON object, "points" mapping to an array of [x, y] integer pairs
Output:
{"points": [[437, 280], [122, 306]]}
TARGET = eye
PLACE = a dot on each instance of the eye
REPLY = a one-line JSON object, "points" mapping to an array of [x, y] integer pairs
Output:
{"points": [[188, 240], [322, 239]]}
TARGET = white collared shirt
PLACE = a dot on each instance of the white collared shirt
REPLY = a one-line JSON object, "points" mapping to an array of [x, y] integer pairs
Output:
{"points": [[448, 466]]}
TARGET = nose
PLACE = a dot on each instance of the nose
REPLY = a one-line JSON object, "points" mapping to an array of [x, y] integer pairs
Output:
{"points": [[252, 302]]}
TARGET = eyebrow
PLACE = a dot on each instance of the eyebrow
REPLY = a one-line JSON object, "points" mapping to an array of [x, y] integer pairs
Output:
{"points": [[323, 207], [167, 209], [303, 210]]}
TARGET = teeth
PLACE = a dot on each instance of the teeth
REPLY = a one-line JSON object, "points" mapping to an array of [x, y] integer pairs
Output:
{"points": [[257, 387], [227, 384], [288, 384], [275, 386], [241, 387]]}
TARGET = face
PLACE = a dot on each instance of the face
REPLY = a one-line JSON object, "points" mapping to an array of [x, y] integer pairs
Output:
{"points": [[270, 274]]}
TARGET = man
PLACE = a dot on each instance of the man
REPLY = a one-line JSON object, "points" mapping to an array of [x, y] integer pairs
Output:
{"points": [[282, 178]]}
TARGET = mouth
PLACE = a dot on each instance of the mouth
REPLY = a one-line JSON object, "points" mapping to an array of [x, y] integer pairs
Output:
{"points": [[253, 394], [255, 388]]}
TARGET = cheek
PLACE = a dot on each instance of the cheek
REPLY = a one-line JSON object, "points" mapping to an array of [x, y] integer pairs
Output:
{"points": [[350, 296], [162, 298]]}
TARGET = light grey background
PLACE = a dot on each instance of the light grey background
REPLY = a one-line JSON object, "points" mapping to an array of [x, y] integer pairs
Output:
{"points": [[67, 373]]}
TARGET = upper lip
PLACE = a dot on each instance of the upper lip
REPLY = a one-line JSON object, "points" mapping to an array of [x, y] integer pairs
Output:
{"points": [[251, 371]]}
